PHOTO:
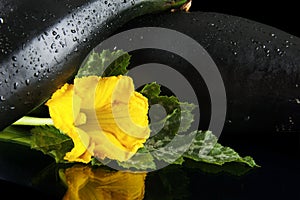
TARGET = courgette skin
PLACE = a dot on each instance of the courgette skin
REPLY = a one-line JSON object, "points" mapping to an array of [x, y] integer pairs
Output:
{"points": [[44, 42], [260, 66]]}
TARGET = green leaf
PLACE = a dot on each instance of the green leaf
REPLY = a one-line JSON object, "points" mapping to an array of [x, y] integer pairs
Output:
{"points": [[16, 134], [206, 149], [167, 128], [173, 149], [167, 144], [142, 160], [186, 116], [105, 64], [51, 142], [172, 144]]}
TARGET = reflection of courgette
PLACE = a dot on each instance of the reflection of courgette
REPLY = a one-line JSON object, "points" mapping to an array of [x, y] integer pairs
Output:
{"points": [[41, 42], [260, 66]]}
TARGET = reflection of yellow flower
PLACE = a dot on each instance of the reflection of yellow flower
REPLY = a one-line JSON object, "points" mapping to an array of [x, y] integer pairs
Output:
{"points": [[105, 117], [84, 182]]}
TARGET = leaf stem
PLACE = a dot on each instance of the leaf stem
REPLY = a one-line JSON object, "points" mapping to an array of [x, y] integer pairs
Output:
{"points": [[34, 121]]}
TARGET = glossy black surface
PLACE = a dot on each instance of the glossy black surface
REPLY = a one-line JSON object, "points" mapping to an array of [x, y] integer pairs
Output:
{"points": [[278, 154], [34, 175]]}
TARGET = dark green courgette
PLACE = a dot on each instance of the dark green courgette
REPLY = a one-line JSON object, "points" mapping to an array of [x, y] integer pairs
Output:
{"points": [[43, 42], [260, 66]]}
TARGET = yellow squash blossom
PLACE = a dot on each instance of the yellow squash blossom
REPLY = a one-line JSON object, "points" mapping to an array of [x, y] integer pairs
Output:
{"points": [[105, 117], [84, 182]]}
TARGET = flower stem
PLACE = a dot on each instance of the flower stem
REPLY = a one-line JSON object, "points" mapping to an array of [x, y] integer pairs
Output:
{"points": [[34, 121]]}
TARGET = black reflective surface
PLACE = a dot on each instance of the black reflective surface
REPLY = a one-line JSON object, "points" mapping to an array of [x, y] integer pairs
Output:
{"points": [[33, 175]]}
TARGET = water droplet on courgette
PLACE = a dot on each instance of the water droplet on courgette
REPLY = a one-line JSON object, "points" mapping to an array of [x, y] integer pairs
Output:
{"points": [[14, 58], [16, 84]]}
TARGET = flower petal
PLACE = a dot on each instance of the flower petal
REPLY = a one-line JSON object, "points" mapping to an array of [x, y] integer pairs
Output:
{"points": [[81, 142], [85, 88], [63, 108]]}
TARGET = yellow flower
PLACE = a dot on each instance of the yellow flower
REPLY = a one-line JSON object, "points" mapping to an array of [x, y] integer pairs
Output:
{"points": [[105, 117], [84, 182]]}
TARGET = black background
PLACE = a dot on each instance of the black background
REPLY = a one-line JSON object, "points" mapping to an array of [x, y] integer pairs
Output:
{"points": [[283, 15]]}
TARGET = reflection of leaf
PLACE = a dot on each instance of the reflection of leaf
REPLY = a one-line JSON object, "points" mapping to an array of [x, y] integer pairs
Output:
{"points": [[85, 182], [169, 183], [231, 168]]}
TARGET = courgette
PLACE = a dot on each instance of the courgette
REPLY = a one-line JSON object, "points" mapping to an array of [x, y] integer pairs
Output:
{"points": [[259, 64], [42, 43]]}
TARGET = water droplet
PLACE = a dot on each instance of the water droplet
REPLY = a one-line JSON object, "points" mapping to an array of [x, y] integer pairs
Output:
{"points": [[233, 43], [273, 35], [73, 31], [2, 98], [36, 74], [57, 37], [16, 84], [115, 48], [14, 58], [142, 37], [12, 107], [52, 46], [48, 70], [27, 81], [1, 20], [247, 118], [297, 85], [54, 32]]}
